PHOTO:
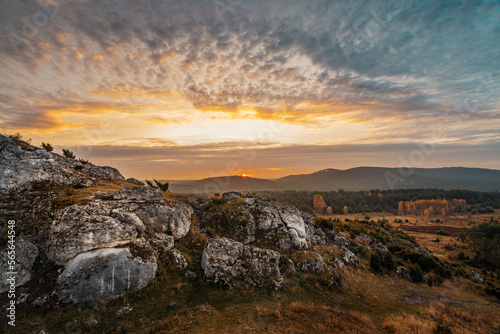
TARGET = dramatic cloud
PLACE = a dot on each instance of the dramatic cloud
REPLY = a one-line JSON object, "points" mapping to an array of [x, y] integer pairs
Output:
{"points": [[90, 72]]}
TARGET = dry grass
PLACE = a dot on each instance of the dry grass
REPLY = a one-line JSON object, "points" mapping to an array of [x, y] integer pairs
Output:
{"points": [[404, 323]]}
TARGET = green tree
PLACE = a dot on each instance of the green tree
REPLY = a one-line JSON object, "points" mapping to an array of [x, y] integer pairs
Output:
{"points": [[69, 154], [376, 261], [47, 147]]}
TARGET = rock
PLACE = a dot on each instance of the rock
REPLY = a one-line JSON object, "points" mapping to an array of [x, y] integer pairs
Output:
{"points": [[25, 255], [263, 223], [105, 172], [103, 274], [138, 194], [331, 277], [309, 262], [287, 267], [348, 257], [80, 228], [25, 167], [232, 195], [162, 243], [163, 219], [403, 272], [177, 260], [476, 277], [22, 298], [232, 263], [191, 275], [40, 301], [125, 309], [135, 181]]}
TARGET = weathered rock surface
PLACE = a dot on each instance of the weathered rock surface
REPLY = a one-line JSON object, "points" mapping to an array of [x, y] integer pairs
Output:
{"points": [[348, 257], [232, 263], [25, 255], [309, 262], [135, 181], [262, 222], [23, 165], [104, 274], [81, 228], [177, 260]]}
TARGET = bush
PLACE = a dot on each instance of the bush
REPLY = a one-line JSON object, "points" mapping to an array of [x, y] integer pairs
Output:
{"points": [[416, 273], [69, 154], [389, 262], [162, 186], [47, 147], [376, 261]]}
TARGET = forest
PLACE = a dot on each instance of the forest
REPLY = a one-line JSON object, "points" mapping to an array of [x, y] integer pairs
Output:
{"points": [[341, 201]]}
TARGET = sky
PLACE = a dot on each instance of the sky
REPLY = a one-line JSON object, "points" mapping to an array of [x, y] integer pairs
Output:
{"points": [[192, 89]]}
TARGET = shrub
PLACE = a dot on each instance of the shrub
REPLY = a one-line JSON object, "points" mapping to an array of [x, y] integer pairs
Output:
{"points": [[162, 186], [376, 261], [151, 184], [388, 262], [47, 147], [416, 273], [69, 154]]}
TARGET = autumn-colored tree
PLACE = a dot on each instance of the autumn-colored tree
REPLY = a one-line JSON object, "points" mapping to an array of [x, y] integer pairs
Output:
{"points": [[429, 207], [319, 204], [346, 210], [329, 211]]}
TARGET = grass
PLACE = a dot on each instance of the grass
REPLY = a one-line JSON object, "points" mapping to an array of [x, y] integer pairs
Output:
{"points": [[174, 303]]}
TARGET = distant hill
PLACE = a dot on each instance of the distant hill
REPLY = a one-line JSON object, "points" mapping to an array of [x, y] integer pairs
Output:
{"points": [[224, 183], [359, 178]]}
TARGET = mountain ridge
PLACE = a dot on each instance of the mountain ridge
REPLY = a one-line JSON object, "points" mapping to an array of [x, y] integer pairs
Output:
{"points": [[357, 178]]}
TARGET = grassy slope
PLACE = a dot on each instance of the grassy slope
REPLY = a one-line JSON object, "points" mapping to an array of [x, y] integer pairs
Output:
{"points": [[174, 303]]}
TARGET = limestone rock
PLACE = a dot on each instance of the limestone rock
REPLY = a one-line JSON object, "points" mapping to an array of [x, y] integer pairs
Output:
{"points": [[348, 257], [25, 255], [24, 167], [103, 274], [263, 223], [80, 228], [476, 277], [309, 262], [232, 195], [230, 262], [163, 219], [135, 181], [177, 260]]}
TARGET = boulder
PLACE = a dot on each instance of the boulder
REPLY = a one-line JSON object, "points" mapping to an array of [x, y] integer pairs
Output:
{"points": [[103, 274], [25, 255], [348, 257], [177, 260], [80, 228], [163, 219], [309, 262], [232, 263], [263, 223], [232, 195], [135, 181]]}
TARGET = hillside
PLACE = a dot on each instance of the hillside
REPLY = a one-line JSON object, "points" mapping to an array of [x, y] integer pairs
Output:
{"points": [[359, 178], [96, 253]]}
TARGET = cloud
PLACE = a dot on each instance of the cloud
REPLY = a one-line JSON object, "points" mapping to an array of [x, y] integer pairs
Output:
{"points": [[397, 67]]}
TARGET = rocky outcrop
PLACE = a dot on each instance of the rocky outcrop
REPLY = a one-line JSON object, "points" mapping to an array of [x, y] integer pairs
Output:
{"points": [[135, 181], [24, 166], [348, 257], [103, 274], [90, 234], [309, 262], [81, 228], [262, 222], [177, 260], [25, 255], [232, 263]]}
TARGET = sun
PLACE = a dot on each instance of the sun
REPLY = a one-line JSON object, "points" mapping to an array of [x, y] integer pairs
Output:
{"points": [[243, 175]]}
